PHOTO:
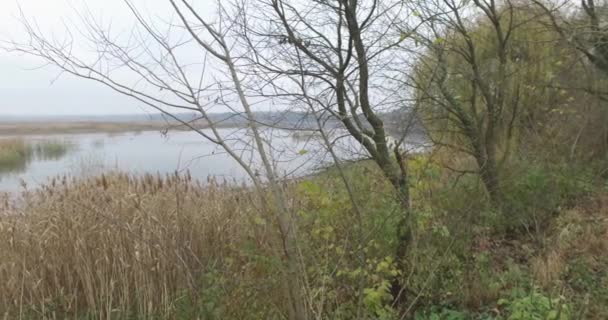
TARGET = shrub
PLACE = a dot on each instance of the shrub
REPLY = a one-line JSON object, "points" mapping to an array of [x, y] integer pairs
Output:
{"points": [[441, 313], [535, 306], [535, 192]]}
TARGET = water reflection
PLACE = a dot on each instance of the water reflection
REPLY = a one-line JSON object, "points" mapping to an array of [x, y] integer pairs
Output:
{"points": [[52, 149], [12, 166], [98, 143], [17, 154]]}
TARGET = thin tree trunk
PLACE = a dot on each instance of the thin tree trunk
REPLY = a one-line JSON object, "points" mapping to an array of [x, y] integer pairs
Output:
{"points": [[400, 181], [284, 219], [489, 176]]}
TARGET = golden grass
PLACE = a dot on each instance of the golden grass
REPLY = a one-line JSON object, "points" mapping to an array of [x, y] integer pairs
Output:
{"points": [[125, 247], [120, 247], [548, 267]]}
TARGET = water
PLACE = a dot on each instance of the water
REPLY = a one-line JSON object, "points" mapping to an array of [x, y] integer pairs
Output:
{"points": [[152, 152]]}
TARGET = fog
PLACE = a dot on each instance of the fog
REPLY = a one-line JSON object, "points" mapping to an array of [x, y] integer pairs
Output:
{"points": [[29, 87]]}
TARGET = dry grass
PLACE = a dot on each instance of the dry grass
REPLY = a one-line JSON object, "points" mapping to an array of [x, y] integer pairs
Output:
{"points": [[125, 247], [548, 268], [576, 262], [119, 247]]}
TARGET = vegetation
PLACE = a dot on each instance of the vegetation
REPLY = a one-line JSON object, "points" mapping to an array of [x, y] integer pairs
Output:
{"points": [[168, 247], [505, 218], [16, 154], [52, 149], [34, 128]]}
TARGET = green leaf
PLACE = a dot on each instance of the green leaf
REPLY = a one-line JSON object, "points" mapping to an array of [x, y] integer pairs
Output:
{"points": [[552, 315], [259, 221]]}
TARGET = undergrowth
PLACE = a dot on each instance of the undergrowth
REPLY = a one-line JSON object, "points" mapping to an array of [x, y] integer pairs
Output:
{"points": [[169, 247]]}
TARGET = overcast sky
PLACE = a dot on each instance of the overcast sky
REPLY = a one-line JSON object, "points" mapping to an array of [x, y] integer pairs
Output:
{"points": [[26, 88]]}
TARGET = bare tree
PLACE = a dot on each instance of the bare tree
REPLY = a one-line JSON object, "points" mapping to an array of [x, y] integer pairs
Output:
{"points": [[168, 68], [344, 55], [342, 59]]}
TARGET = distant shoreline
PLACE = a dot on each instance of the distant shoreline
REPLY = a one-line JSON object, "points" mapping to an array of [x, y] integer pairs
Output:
{"points": [[25, 128]]}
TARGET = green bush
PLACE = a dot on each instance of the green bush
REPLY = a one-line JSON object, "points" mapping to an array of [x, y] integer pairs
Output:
{"points": [[535, 306], [535, 192], [441, 313]]}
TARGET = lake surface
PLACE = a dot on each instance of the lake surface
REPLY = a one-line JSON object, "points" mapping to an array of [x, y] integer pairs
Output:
{"points": [[152, 152], [294, 153]]}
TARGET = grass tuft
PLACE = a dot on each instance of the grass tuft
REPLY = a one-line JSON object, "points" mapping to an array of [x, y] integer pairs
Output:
{"points": [[14, 154]]}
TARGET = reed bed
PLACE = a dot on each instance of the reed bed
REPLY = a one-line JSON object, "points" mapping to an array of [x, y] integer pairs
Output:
{"points": [[17, 153], [14, 153], [125, 247], [119, 246], [52, 149]]}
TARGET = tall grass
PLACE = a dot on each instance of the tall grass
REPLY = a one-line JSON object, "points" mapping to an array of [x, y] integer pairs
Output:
{"points": [[120, 247], [151, 247], [123, 247]]}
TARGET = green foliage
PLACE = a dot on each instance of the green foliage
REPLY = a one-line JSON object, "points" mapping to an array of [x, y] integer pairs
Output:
{"points": [[441, 313], [535, 306], [589, 279], [377, 300], [352, 265], [534, 192], [533, 63], [378, 297], [207, 304]]}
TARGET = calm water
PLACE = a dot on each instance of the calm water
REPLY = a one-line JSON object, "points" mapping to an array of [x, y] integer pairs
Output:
{"points": [[143, 152]]}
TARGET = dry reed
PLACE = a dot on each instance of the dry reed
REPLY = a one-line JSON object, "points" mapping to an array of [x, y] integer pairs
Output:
{"points": [[124, 247]]}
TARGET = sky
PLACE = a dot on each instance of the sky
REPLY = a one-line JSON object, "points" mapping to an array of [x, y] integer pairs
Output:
{"points": [[28, 87]]}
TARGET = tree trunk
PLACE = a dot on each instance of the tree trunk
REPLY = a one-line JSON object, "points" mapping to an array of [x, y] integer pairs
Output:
{"points": [[297, 305], [489, 176], [485, 156], [400, 181]]}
